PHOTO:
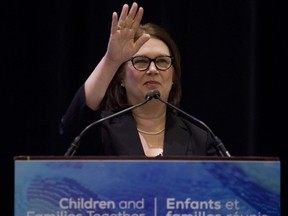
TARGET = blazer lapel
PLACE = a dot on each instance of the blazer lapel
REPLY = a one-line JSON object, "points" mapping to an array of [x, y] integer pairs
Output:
{"points": [[126, 134], [176, 137]]}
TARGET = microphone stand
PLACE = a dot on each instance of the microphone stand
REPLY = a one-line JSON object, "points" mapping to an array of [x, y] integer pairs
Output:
{"points": [[219, 146], [75, 144]]}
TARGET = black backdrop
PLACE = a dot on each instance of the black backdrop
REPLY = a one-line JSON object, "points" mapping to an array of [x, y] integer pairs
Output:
{"points": [[233, 59]]}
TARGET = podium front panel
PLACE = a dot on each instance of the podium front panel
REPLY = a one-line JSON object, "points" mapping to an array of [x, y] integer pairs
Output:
{"points": [[146, 187]]}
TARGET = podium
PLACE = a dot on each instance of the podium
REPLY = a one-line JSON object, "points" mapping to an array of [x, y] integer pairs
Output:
{"points": [[132, 186]]}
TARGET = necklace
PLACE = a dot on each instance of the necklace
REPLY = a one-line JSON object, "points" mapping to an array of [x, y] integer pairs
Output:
{"points": [[150, 133]]}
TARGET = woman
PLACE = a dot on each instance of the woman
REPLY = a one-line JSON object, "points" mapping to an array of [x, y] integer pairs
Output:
{"points": [[139, 59]]}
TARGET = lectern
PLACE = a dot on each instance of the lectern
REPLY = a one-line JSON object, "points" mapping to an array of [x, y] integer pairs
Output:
{"points": [[131, 186]]}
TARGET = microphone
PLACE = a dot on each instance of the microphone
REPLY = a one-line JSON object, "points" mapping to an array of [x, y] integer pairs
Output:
{"points": [[219, 144], [75, 144]]}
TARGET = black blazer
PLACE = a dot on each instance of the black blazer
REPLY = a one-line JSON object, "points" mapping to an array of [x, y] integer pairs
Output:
{"points": [[119, 136]]}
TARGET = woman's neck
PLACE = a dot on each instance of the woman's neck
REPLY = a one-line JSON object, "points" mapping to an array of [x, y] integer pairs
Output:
{"points": [[150, 118], [150, 123]]}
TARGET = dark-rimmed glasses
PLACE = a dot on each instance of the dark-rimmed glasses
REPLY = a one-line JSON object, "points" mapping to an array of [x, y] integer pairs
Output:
{"points": [[142, 63]]}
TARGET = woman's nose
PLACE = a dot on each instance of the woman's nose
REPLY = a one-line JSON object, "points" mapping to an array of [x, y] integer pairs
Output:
{"points": [[152, 68]]}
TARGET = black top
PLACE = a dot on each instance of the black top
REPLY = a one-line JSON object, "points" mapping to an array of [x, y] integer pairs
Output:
{"points": [[119, 136]]}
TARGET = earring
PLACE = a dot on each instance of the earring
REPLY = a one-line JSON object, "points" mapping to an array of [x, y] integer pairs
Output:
{"points": [[122, 84]]}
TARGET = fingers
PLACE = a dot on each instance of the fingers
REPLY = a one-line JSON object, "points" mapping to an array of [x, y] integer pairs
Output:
{"points": [[123, 15], [130, 18], [138, 18], [114, 22]]}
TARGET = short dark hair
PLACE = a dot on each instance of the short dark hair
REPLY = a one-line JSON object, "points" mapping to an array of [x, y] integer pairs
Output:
{"points": [[116, 98]]}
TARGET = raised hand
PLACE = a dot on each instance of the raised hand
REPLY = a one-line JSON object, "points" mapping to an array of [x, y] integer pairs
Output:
{"points": [[121, 44]]}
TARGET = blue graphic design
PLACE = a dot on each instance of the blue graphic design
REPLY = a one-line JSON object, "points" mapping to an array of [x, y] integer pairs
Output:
{"points": [[152, 187]]}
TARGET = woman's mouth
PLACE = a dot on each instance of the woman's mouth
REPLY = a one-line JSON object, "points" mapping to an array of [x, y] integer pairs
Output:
{"points": [[152, 84]]}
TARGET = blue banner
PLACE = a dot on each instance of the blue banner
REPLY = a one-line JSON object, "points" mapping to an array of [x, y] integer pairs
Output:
{"points": [[146, 188]]}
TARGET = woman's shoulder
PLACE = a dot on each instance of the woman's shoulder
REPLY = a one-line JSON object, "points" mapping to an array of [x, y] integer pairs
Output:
{"points": [[187, 123]]}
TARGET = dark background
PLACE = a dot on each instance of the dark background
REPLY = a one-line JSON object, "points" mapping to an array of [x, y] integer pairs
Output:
{"points": [[233, 58]]}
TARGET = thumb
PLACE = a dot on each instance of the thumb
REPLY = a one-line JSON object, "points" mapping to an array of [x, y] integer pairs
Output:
{"points": [[141, 40]]}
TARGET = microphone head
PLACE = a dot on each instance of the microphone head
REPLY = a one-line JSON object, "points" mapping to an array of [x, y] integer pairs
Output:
{"points": [[156, 94], [149, 95], [152, 94]]}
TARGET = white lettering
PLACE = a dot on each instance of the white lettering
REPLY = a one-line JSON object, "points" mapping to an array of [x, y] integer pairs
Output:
{"points": [[172, 203], [81, 203]]}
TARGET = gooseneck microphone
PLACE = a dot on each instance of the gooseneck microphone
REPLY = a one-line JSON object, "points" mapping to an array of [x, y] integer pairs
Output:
{"points": [[75, 144], [219, 144]]}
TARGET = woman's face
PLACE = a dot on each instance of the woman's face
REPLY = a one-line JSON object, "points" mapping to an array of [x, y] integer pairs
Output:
{"points": [[138, 83]]}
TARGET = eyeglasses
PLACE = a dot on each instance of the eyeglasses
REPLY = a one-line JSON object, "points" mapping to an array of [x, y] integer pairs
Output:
{"points": [[142, 63]]}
